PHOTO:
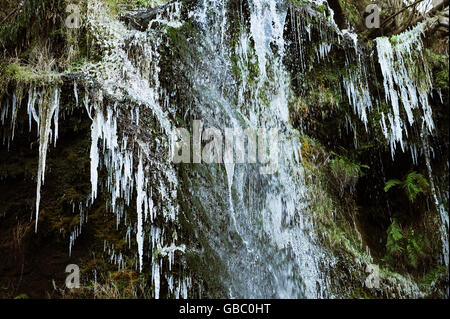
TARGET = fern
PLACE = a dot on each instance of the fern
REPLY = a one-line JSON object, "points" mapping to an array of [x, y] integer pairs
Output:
{"points": [[414, 248], [403, 248], [391, 183], [394, 238], [413, 184]]}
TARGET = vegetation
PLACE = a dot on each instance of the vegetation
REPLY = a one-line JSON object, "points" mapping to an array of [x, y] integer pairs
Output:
{"points": [[404, 247], [413, 185], [345, 172]]}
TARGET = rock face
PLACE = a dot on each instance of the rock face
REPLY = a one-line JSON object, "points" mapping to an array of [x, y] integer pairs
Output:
{"points": [[348, 201]]}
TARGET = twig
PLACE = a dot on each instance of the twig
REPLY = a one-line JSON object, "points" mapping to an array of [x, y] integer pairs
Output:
{"points": [[12, 12], [430, 13], [400, 11]]}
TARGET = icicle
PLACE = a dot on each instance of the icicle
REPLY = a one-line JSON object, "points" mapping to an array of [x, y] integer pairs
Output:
{"points": [[56, 117], [95, 134], [32, 95], [75, 92], [156, 277], [141, 198], [46, 112], [15, 106]]}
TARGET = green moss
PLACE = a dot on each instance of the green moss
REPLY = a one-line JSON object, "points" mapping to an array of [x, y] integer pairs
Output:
{"points": [[23, 75], [433, 276], [440, 65], [335, 231], [116, 5], [352, 13]]}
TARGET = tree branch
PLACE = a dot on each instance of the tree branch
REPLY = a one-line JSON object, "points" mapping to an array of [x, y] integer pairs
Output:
{"points": [[400, 11], [421, 18]]}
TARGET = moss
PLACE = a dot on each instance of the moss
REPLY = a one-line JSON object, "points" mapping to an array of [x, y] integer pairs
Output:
{"points": [[440, 66], [433, 279], [337, 228], [324, 207], [352, 12], [24, 75], [117, 5], [196, 224]]}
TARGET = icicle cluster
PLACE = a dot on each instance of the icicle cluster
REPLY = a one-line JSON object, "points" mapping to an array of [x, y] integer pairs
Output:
{"points": [[398, 61], [132, 162], [42, 108]]}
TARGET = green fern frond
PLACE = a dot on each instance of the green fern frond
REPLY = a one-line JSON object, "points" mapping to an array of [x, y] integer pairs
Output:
{"points": [[391, 183], [414, 184], [394, 238]]}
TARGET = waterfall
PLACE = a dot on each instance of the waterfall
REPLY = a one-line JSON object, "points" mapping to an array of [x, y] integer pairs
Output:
{"points": [[273, 200], [255, 218]]}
